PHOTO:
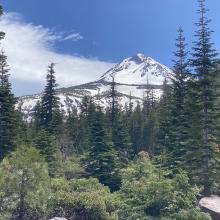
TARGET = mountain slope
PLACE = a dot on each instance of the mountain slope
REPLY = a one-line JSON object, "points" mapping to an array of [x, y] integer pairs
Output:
{"points": [[132, 76]]}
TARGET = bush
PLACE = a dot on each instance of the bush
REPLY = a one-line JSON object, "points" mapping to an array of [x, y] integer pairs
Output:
{"points": [[191, 214], [81, 199], [23, 184], [148, 194]]}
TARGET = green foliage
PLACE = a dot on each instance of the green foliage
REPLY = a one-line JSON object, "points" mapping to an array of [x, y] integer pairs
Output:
{"points": [[50, 116], [121, 140], [100, 162], [23, 184], [204, 63], [8, 115], [165, 117], [2, 34], [136, 128], [181, 131], [145, 193], [178, 129], [81, 199], [46, 144], [72, 168], [191, 214], [72, 130]]}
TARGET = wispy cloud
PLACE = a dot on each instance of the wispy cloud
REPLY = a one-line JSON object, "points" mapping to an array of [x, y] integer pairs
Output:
{"points": [[73, 37], [30, 48]]}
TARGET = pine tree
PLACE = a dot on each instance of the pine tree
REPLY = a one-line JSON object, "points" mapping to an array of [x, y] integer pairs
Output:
{"points": [[119, 131], [150, 131], [136, 129], [204, 63], [121, 140], [130, 105], [164, 112], [24, 182], [2, 34], [48, 123], [72, 133], [87, 110], [8, 115], [84, 105], [100, 162], [178, 136], [113, 100], [50, 113], [147, 100], [149, 120], [46, 144]]}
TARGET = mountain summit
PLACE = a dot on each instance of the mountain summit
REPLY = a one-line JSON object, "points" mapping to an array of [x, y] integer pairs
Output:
{"points": [[132, 76], [138, 70]]}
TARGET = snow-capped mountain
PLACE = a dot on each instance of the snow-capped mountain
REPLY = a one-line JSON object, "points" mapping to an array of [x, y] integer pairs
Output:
{"points": [[132, 76], [138, 70]]}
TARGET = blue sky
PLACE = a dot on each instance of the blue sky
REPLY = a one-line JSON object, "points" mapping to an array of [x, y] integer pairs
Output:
{"points": [[111, 30]]}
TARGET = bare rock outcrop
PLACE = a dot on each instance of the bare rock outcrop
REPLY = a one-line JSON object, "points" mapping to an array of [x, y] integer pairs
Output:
{"points": [[211, 205]]}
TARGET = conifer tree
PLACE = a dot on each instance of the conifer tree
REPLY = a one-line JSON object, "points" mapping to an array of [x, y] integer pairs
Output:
{"points": [[2, 34], [72, 132], [130, 105], [150, 131], [121, 140], [48, 123], [164, 118], [8, 115], [178, 136], [87, 110], [147, 100], [119, 131], [113, 99], [46, 144], [149, 120], [23, 184], [204, 60], [100, 161], [50, 113], [136, 129], [84, 105]]}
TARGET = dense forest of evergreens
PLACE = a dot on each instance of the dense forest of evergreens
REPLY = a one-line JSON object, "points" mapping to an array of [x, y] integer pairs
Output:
{"points": [[152, 160]]}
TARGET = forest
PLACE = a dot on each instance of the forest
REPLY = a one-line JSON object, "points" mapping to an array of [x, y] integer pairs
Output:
{"points": [[152, 160]]}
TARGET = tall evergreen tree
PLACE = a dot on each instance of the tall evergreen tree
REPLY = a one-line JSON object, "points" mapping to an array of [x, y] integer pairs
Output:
{"points": [[2, 34], [204, 63], [87, 110], [121, 140], [149, 120], [100, 161], [178, 136], [48, 123], [136, 129], [150, 131], [46, 144], [8, 115], [50, 113], [130, 105], [72, 133], [164, 118], [113, 100], [147, 102], [119, 131]]}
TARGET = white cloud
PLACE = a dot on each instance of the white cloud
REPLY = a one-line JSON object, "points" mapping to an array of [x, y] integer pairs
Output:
{"points": [[73, 37], [30, 49]]}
